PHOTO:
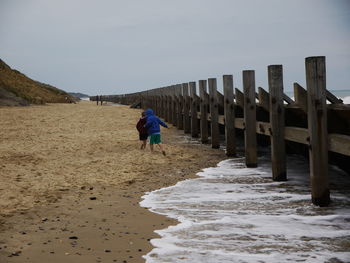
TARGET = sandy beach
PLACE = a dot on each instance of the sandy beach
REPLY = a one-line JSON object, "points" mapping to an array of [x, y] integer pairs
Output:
{"points": [[72, 176]]}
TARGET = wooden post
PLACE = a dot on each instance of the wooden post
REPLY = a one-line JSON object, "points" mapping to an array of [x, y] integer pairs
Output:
{"points": [[164, 99], [170, 105], [166, 104], [214, 113], [187, 105], [229, 109], [204, 110], [151, 100], [194, 120], [278, 153], [174, 105], [141, 100], [250, 118], [179, 101], [146, 99], [317, 126], [157, 101], [161, 98]]}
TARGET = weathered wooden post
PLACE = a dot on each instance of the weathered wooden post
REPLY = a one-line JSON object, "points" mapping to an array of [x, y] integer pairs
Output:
{"points": [[170, 116], [166, 104], [145, 99], [170, 105], [317, 126], [151, 100], [214, 113], [187, 103], [141, 100], [278, 153], [204, 101], [161, 103], [174, 105], [180, 122], [194, 120], [251, 159], [156, 101], [229, 109]]}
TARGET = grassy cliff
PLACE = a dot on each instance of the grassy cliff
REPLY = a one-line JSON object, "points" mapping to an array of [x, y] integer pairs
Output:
{"points": [[17, 89]]}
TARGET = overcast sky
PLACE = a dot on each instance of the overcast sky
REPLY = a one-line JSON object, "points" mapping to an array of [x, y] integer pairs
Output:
{"points": [[116, 47]]}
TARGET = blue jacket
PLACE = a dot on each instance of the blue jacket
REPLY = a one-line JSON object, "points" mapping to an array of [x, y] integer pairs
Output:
{"points": [[152, 124]]}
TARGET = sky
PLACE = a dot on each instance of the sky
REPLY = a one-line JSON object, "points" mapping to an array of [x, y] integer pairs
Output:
{"points": [[124, 46]]}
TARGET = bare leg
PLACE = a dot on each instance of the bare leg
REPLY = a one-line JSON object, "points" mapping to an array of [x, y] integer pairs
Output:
{"points": [[151, 146], [162, 148], [144, 143]]}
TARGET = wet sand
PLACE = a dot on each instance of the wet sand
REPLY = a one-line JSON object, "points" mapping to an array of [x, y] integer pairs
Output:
{"points": [[72, 176]]}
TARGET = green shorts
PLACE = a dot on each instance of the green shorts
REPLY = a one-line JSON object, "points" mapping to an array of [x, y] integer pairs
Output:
{"points": [[154, 139]]}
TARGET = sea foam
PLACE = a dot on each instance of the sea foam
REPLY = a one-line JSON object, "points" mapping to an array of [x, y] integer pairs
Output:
{"points": [[236, 214]]}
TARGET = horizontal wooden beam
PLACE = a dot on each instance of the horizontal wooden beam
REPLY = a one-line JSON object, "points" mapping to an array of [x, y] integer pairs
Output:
{"points": [[337, 142]]}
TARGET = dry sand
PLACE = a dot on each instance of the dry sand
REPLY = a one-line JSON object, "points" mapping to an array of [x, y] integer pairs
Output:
{"points": [[71, 178]]}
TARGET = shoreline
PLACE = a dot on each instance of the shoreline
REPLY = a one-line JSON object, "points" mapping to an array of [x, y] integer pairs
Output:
{"points": [[47, 230]]}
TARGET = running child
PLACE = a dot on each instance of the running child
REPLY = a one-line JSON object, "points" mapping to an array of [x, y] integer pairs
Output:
{"points": [[153, 128]]}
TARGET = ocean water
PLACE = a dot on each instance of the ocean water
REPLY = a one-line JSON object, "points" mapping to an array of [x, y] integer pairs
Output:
{"points": [[236, 214]]}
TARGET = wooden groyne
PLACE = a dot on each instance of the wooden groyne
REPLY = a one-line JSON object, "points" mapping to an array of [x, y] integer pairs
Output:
{"points": [[315, 122]]}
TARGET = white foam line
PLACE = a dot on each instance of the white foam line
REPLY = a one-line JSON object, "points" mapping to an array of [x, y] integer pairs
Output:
{"points": [[224, 215]]}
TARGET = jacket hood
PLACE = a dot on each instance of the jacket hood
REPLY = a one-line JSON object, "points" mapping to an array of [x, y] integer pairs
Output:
{"points": [[149, 112]]}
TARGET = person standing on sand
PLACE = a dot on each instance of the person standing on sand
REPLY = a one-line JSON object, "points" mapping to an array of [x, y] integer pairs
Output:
{"points": [[153, 128], [143, 134]]}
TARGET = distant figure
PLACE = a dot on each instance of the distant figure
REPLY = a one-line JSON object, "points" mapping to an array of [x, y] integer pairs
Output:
{"points": [[142, 130], [97, 100], [153, 128], [101, 99]]}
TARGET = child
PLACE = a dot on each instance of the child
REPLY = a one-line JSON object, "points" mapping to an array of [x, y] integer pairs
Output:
{"points": [[153, 128], [142, 130]]}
